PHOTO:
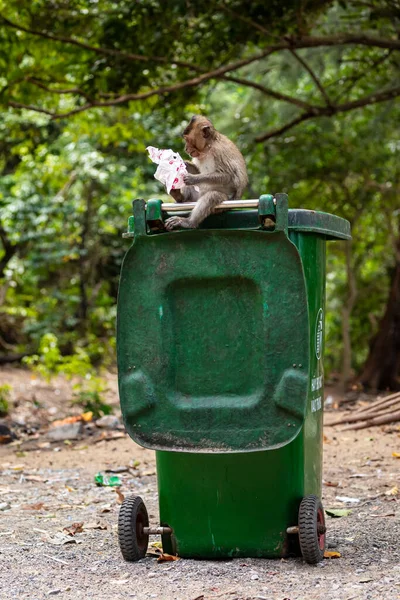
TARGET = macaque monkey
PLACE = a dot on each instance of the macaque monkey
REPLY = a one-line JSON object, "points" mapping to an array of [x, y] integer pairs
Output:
{"points": [[218, 170]]}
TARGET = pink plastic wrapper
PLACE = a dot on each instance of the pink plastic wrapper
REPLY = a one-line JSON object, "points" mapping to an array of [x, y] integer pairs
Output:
{"points": [[171, 167]]}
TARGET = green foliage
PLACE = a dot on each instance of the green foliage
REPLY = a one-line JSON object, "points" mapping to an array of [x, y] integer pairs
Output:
{"points": [[88, 387], [49, 360], [89, 395], [5, 392]]}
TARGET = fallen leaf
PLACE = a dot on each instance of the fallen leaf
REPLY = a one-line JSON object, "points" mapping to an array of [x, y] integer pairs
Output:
{"points": [[95, 525], [66, 421], [59, 539], [156, 545], [5, 439], [87, 416], [166, 558], [348, 499], [37, 506], [17, 467], [338, 512], [396, 454], [120, 496], [387, 515], [43, 445], [105, 508], [393, 492], [331, 483], [74, 529], [331, 554]]}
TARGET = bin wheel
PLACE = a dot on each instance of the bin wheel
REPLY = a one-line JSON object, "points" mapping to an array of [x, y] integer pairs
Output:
{"points": [[132, 519], [312, 529]]}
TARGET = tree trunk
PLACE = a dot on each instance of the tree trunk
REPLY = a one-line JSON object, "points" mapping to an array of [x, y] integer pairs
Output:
{"points": [[382, 367], [9, 250], [82, 265]]}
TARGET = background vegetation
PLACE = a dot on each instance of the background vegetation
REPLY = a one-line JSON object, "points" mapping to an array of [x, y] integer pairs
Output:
{"points": [[308, 90]]}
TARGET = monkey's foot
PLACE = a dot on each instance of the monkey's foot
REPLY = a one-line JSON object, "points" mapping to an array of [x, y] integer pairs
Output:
{"points": [[177, 223]]}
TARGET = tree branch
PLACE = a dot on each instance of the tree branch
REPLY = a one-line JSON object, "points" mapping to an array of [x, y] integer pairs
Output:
{"points": [[99, 50], [280, 130], [194, 82], [374, 98], [30, 107], [289, 42], [356, 78], [360, 39], [327, 111], [312, 75], [248, 21], [269, 92], [76, 90], [63, 193]]}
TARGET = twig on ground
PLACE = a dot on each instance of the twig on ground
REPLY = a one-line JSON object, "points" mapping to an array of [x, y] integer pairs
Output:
{"points": [[383, 410]]}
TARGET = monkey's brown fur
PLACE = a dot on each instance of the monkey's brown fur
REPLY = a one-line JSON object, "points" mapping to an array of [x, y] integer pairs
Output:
{"points": [[218, 170]]}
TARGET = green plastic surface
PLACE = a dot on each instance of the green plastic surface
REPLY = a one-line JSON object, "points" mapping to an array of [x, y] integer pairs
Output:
{"points": [[230, 505], [213, 341]]}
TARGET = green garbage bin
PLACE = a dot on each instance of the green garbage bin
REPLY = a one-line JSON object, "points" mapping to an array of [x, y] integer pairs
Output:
{"points": [[220, 341]]}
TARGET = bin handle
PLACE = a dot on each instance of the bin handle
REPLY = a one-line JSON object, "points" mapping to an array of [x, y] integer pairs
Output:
{"points": [[184, 206], [151, 213], [268, 206]]}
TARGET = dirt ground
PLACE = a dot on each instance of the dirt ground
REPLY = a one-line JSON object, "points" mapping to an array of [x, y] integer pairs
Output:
{"points": [[45, 487]]}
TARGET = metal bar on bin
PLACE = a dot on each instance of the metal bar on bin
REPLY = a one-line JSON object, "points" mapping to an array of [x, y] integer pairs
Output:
{"points": [[184, 206], [157, 530]]}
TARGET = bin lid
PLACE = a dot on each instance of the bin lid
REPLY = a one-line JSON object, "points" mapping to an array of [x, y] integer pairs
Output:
{"points": [[321, 223], [213, 340], [314, 221]]}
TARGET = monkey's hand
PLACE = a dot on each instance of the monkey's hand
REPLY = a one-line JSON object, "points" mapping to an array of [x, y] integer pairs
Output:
{"points": [[190, 179], [177, 223]]}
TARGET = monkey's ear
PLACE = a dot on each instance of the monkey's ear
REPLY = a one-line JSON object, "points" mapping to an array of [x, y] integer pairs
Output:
{"points": [[206, 131]]}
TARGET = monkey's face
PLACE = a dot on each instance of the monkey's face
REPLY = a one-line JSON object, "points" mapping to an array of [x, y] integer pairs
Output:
{"points": [[198, 135]]}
